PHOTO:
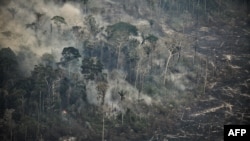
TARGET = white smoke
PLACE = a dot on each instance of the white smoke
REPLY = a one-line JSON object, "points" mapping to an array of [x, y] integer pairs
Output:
{"points": [[92, 93], [15, 34], [117, 83]]}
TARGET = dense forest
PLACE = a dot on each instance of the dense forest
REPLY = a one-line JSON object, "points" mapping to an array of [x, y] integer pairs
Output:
{"points": [[114, 70]]}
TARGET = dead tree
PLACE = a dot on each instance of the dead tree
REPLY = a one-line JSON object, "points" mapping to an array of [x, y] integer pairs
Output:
{"points": [[173, 49]]}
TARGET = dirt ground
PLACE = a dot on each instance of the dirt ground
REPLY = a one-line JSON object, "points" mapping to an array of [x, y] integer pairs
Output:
{"points": [[227, 95]]}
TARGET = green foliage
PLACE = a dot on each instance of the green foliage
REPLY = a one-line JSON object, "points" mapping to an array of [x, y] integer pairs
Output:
{"points": [[64, 86], [42, 75], [152, 38], [3, 94], [91, 67], [150, 89], [8, 60], [58, 20], [7, 123], [69, 53], [121, 29], [27, 128], [14, 99], [41, 93], [88, 66], [130, 51], [8, 64]]}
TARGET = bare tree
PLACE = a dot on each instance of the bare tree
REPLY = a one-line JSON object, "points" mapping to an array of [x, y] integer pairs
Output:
{"points": [[102, 88], [173, 49], [122, 94], [12, 11]]}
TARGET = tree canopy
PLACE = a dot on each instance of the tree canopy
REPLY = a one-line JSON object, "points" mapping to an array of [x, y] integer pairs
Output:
{"points": [[58, 19], [8, 64], [121, 29], [70, 53]]}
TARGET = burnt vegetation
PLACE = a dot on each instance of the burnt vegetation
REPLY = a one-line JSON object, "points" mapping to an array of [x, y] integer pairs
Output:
{"points": [[129, 70]]}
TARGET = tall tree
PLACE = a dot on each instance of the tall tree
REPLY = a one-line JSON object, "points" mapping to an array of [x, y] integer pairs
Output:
{"points": [[69, 53], [91, 67], [173, 49], [9, 68], [102, 88], [149, 49], [43, 78], [58, 21], [118, 34], [92, 25]]}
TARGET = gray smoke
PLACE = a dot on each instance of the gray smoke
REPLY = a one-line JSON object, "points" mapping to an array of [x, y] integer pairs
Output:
{"points": [[26, 27]]}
